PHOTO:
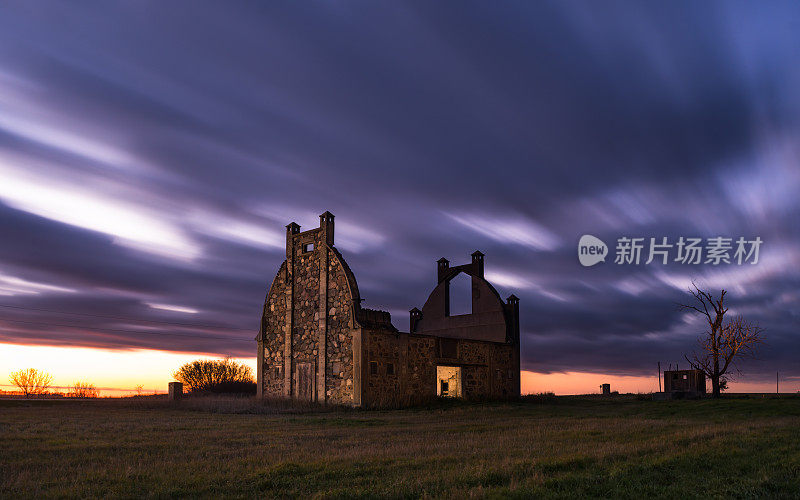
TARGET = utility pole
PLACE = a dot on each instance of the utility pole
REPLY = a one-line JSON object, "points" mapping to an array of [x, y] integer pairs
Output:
{"points": [[776, 383], [659, 376]]}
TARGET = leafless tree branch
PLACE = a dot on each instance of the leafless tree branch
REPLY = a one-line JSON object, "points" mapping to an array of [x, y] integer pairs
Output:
{"points": [[724, 343]]}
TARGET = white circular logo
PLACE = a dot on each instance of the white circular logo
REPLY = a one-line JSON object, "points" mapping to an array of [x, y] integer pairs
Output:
{"points": [[591, 250]]}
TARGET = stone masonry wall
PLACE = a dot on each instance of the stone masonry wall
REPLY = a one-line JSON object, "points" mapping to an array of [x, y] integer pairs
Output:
{"points": [[306, 324], [475, 379], [274, 314], [306, 301], [486, 368], [339, 372], [506, 372], [384, 367], [420, 380]]}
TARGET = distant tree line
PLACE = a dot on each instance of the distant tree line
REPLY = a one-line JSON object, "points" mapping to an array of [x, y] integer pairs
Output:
{"points": [[202, 375], [33, 382]]}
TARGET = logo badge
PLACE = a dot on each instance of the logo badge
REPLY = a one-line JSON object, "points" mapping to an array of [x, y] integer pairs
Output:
{"points": [[591, 250]]}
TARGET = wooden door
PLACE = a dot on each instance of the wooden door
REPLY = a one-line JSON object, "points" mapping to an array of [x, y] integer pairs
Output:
{"points": [[305, 381]]}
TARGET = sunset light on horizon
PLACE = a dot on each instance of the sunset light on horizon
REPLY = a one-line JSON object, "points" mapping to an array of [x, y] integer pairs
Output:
{"points": [[146, 191], [117, 372]]}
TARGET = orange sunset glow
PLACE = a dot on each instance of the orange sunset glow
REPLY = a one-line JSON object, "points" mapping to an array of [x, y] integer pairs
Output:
{"points": [[113, 372], [118, 372]]}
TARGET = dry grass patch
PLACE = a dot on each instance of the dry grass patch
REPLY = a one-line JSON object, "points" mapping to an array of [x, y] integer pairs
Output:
{"points": [[561, 447]]}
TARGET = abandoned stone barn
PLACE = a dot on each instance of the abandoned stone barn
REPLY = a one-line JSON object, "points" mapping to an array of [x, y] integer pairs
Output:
{"points": [[317, 343]]}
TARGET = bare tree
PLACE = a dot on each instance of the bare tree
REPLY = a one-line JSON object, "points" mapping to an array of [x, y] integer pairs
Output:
{"points": [[84, 390], [724, 343], [31, 381]]}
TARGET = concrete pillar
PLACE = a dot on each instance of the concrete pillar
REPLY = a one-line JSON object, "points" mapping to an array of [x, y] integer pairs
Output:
{"points": [[260, 367], [359, 367], [512, 303], [291, 230], [175, 391], [322, 323]]}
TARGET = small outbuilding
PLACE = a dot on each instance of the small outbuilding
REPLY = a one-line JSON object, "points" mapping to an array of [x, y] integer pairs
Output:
{"points": [[679, 384]]}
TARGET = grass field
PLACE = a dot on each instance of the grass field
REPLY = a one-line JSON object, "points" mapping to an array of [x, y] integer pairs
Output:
{"points": [[551, 447]]}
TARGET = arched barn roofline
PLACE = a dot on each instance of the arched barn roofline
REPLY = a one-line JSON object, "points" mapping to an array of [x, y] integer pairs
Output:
{"points": [[317, 343], [455, 271]]}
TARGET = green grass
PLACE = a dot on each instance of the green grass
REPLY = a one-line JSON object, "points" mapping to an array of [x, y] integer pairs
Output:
{"points": [[563, 447]]}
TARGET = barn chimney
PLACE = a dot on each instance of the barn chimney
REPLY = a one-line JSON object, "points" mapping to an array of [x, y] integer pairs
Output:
{"points": [[415, 315], [291, 230], [326, 224], [477, 262], [443, 267]]}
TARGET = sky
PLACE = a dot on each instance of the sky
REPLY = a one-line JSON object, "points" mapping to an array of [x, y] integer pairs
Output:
{"points": [[151, 154]]}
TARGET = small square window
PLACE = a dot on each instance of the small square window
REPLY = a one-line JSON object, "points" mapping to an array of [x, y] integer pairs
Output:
{"points": [[373, 367], [389, 368], [685, 377], [308, 247]]}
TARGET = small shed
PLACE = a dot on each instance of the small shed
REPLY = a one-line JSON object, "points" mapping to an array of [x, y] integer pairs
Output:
{"points": [[687, 381]]}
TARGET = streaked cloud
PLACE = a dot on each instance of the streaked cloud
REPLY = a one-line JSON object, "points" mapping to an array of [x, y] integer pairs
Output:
{"points": [[173, 308], [12, 285], [42, 130], [509, 229], [60, 200], [507, 280], [237, 231], [145, 164]]}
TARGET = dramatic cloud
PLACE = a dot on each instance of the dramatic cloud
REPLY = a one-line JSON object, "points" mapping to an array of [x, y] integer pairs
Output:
{"points": [[151, 155]]}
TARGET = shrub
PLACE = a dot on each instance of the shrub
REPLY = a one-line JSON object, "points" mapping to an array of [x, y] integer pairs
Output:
{"points": [[218, 376], [83, 390]]}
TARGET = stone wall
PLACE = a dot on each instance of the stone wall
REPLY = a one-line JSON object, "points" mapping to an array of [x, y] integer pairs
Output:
{"points": [[305, 299], [420, 380], [505, 371], [489, 373], [339, 373], [486, 368], [383, 367], [273, 334]]}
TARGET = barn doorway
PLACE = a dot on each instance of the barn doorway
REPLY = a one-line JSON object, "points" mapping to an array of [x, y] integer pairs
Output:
{"points": [[448, 381]]}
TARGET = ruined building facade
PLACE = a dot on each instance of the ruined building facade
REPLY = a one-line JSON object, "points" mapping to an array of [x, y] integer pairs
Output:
{"points": [[317, 343]]}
